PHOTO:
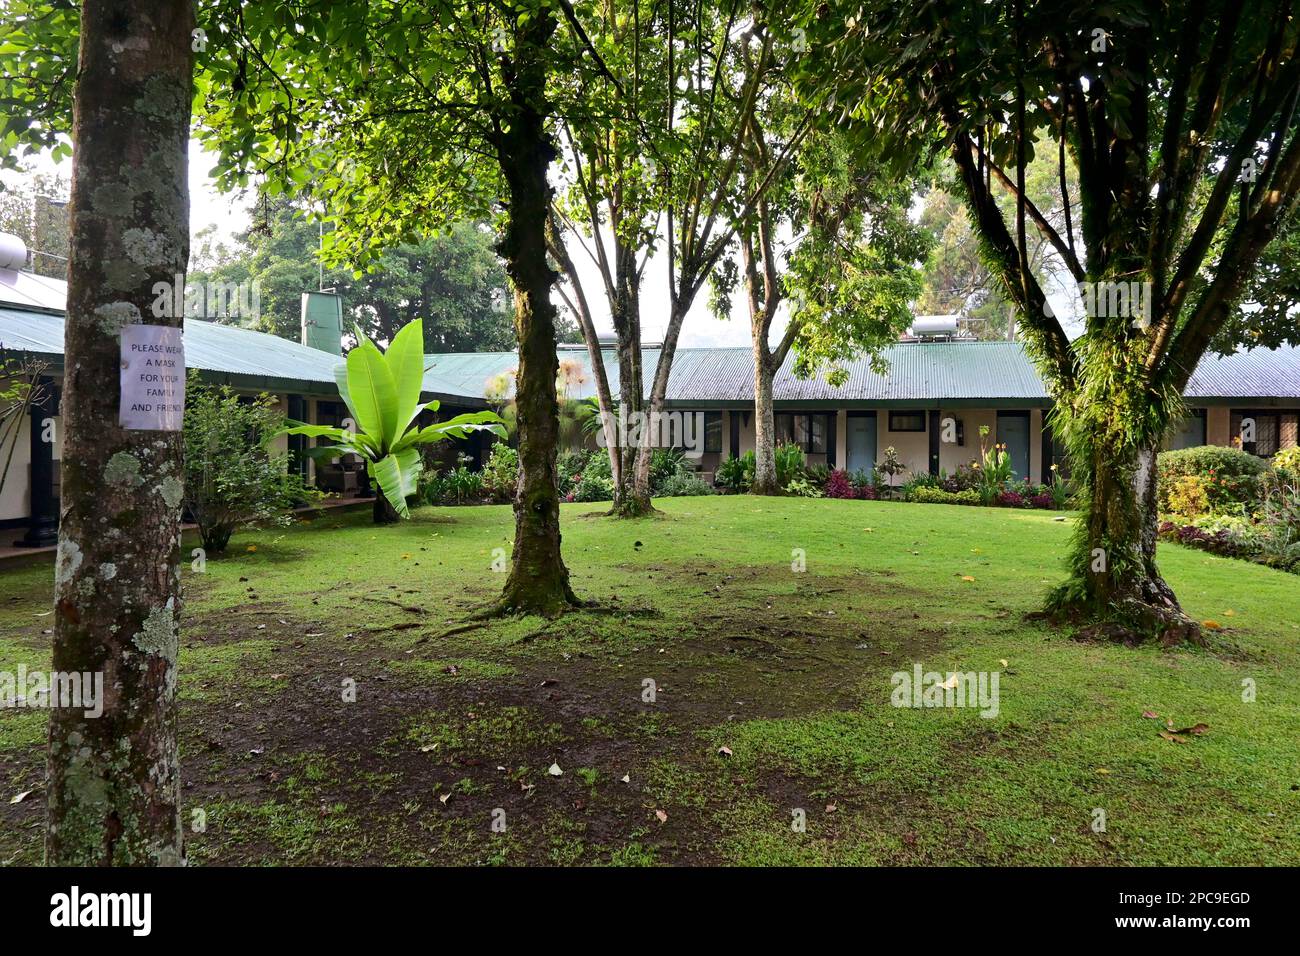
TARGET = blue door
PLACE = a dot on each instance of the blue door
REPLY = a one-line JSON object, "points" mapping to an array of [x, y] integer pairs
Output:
{"points": [[1013, 431], [861, 442]]}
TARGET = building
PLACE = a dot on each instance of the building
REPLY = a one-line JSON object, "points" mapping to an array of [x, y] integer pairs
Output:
{"points": [[300, 376], [929, 403]]}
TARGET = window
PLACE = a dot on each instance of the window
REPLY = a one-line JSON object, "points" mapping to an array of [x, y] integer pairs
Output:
{"points": [[713, 431], [1188, 433], [1259, 433], [907, 421], [809, 432]]}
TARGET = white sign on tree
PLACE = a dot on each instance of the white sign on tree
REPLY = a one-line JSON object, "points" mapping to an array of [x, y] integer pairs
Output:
{"points": [[153, 378]]}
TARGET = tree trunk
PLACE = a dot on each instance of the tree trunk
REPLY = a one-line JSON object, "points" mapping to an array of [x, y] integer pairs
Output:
{"points": [[382, 510], [1114, 580], [113, 784], [631, 495], [538, 581], [765, 482]]}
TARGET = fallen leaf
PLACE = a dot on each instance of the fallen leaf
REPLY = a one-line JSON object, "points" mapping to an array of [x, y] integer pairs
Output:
{"points": [[831, 808], [1168, 735], [1229, 613], [725, 751], [1150, 715], [1212, 625], [627, 778], [967, 577], [663, 817], [21, 797], [951, 683], [444, 798], [1004, 662], [1103, 771], [555, 770], [252, 547], [1197, 729], [427, 747]]}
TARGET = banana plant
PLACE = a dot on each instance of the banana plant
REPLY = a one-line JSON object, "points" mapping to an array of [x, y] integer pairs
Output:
{"points": [[382, 393]]}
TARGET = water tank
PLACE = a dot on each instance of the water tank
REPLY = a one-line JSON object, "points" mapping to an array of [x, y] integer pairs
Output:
{"points": [[13, 252], [934, 325], [322, 321]]}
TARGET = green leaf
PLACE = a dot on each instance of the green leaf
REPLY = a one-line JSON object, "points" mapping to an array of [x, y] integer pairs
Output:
{"points": [[405, 358], [373, 393], [396, 475]]}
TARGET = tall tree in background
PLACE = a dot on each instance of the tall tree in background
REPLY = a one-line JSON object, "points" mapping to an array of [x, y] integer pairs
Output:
{"points": [[1180, 117], [957, 278], [453, 281], [403, 118], [830, 237], [113, 784], [659, 166], [37, 213]]}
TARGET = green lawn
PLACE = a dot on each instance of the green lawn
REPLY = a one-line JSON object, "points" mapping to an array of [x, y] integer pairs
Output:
{"points": [[791, 672]]}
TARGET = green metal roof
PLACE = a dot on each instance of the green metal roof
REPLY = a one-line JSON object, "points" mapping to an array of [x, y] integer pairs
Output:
{"points": [[227, 353]]}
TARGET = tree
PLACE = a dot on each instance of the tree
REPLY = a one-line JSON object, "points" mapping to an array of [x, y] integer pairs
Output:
{"points": [[1180, 118], [402, 118], [37, 213], [658, 165], [113, 783], [833, 230], [453, 280], [958, 280]]}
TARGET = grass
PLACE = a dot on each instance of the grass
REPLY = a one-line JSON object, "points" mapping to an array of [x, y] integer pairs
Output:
{"points": [[722, 707]]}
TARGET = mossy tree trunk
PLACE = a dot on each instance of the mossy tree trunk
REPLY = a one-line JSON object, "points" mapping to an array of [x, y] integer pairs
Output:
{"points": [[113, 785], [538, 581]]}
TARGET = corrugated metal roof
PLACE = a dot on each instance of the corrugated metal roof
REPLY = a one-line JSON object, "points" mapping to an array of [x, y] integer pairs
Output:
{"points": [[997, 371], [916, 371], [223, 350], [32, 291], [1258, 373]]}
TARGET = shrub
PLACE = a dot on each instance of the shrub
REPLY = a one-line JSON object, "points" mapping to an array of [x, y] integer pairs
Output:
{"points": [[938, 496], [432, 488], [231, 479], [789, 463], [1011, 499], [1286, 465], [736, 474], [1187, 496], [463, 485], [1280, 524], [683, 485], [593, 487], [1232, 477], [963, 479], [818, 474], [570, 465], [501, 473], [802, 487], [665, 465], [839, 485], [1043, 499]]}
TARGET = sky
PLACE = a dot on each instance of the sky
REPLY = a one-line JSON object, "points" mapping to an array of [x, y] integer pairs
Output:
{"points": [[229, 214]]}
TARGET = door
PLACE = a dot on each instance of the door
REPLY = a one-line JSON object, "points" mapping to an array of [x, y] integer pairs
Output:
{"points": [[1013, 431], [861, 442]]}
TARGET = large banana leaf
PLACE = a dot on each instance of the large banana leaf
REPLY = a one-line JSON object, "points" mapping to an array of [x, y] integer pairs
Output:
{"points": [[365, 444], [405, 358], [457, 427], [373, 393]]}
